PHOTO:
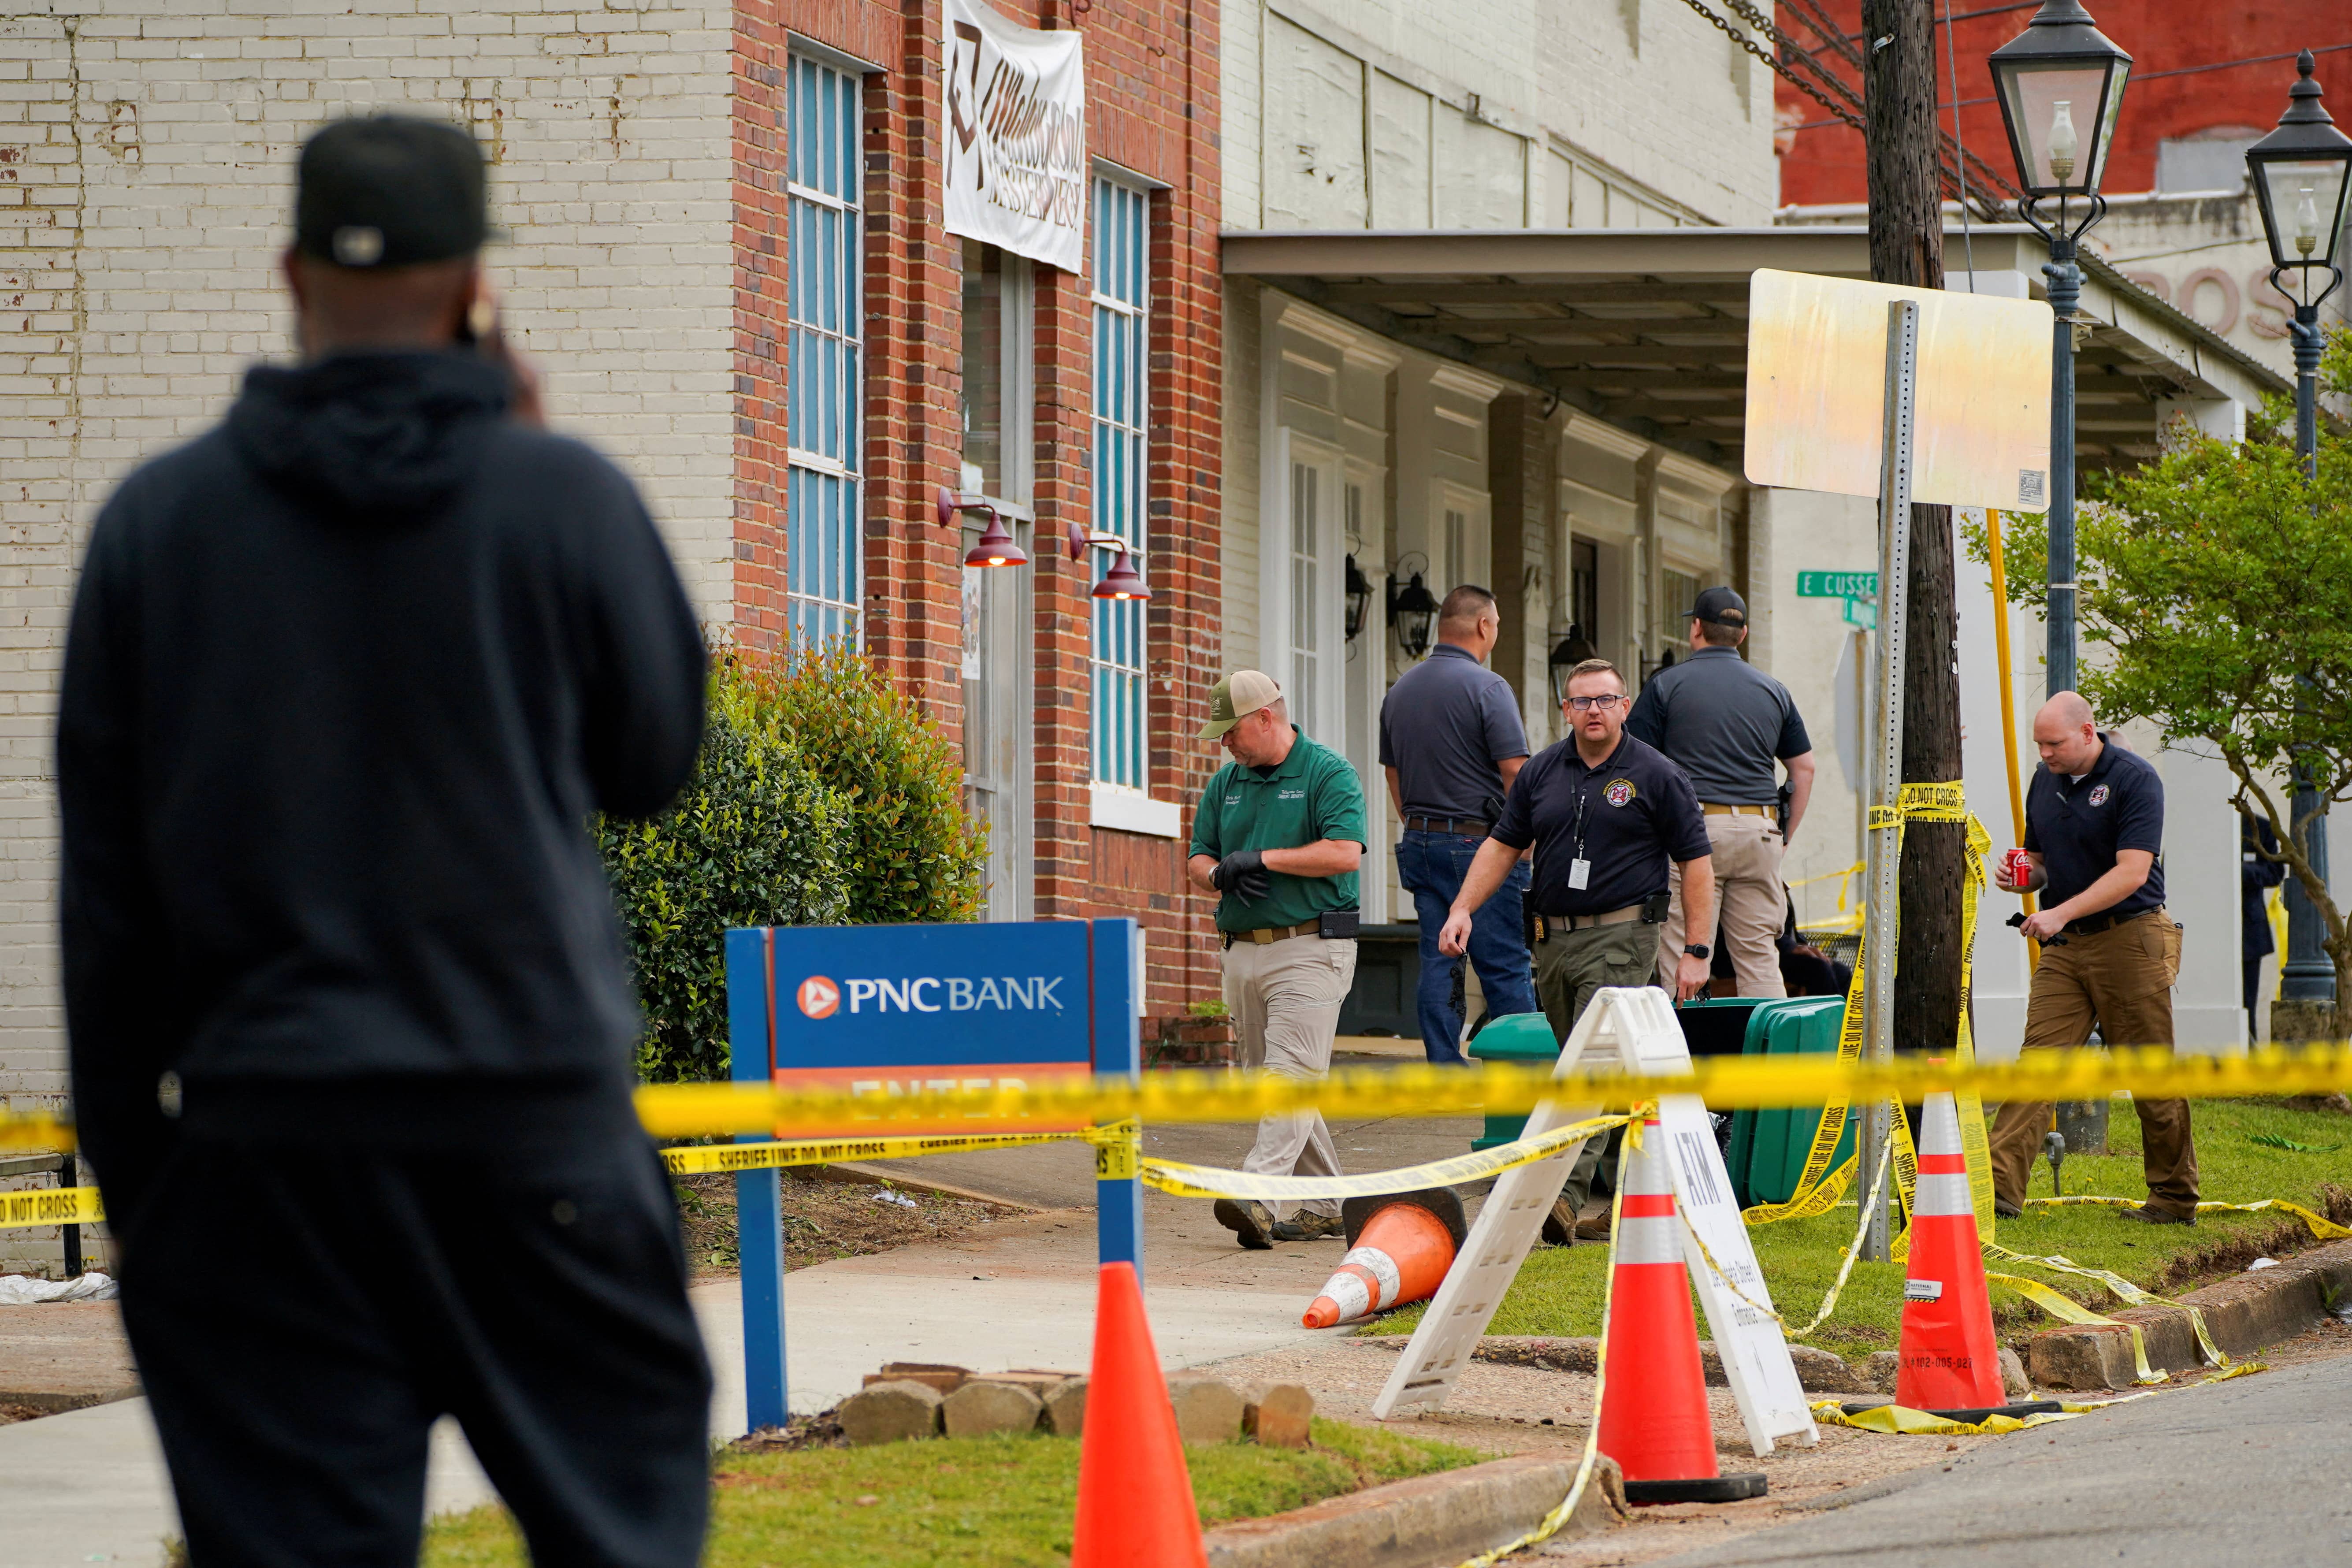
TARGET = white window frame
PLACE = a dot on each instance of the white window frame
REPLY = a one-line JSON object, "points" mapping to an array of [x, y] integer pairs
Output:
{"points": [[824, 351], [1323, 709], [1120, 428]]}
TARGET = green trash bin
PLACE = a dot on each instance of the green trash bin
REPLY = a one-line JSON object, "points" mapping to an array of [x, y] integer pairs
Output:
{"points": [[1769, 1147], [1513, 1037]]}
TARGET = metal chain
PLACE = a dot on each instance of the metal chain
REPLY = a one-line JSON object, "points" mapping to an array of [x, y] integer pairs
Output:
{"points": [[1763, 24], [1808, 89]]}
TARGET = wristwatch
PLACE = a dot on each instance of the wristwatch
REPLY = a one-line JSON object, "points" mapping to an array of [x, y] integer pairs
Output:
{"points": [[1698, 950]]}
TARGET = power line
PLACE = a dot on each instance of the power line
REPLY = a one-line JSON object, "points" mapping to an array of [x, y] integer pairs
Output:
{"points": [[2152, 75]]}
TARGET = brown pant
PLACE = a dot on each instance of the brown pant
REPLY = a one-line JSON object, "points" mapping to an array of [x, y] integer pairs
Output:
{"points": [[1752, 904], [2119, 980]]}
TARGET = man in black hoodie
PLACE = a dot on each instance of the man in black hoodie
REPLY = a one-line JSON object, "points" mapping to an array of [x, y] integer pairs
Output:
{"points": [[352, 1033]]}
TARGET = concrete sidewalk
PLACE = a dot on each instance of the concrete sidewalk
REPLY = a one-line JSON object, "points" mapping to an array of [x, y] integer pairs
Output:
{"points": [[88, 1485]]}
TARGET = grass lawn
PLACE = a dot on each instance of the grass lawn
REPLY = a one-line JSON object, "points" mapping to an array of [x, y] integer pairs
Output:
{"points": [[980, 1502], [1560, 1289]]}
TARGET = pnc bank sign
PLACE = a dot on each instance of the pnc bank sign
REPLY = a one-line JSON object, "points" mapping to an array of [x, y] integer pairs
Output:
{"points": [[889, 1011], [821, 997]]}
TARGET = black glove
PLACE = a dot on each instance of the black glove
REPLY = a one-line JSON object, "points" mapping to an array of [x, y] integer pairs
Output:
{"points": [[1243, 874]]}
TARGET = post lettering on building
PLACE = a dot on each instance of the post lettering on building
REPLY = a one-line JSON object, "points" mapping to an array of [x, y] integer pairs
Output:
{"points": [[1016, 135]]}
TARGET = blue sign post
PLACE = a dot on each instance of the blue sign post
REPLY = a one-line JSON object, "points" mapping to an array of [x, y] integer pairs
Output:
{"points": [[889, 1011]]}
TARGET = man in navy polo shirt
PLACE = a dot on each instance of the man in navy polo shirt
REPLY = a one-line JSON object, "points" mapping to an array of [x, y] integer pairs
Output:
{"points": [[1451, 744], [1607, 815], [2094, 830]]}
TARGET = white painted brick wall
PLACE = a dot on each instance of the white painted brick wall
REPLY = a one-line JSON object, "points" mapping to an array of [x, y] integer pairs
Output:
{"points": [[146, 157]]}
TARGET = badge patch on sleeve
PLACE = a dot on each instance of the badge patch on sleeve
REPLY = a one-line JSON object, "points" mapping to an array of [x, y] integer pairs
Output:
{"points": [[1619, 791]]}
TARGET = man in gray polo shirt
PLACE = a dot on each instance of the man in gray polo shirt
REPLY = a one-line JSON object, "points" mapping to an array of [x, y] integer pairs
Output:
{"points": [[1726, 722], [1451, 744]]}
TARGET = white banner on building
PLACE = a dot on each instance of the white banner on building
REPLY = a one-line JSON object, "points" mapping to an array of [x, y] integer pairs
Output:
{"points": [[1016, 112]]}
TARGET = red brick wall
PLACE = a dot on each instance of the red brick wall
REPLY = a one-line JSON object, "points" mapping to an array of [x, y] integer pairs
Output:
{"points": [[1151, 76]]}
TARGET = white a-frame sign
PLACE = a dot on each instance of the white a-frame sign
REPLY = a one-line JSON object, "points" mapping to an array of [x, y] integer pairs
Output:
{"points": [[1635, 1026]]}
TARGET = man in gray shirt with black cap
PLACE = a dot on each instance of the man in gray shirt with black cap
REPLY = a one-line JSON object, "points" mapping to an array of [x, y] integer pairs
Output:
{"points": [[1726, 722], [1451, 744]]}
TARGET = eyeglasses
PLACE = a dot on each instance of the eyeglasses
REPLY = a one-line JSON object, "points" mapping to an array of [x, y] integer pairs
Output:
{"points": [[1604, 701]]}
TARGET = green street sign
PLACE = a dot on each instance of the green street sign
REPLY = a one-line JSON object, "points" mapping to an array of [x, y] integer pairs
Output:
{"points": [[1863, 612], [1837, 586]]}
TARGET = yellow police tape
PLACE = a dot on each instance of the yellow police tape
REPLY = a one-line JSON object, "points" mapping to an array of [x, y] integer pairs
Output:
{"points": [[2322, 1228], [50, 1205], [1552, 1523], [1725, 1083], [1903, 1420], [2130, 1294], [672, 1110], [1203, 1182], [1116, 1160], [695, 1159], [1818, 1187], [2067, 1309]]}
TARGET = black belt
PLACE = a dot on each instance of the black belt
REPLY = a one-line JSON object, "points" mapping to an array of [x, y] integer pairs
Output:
{"points": [[1468, 826], [2091, 925]]}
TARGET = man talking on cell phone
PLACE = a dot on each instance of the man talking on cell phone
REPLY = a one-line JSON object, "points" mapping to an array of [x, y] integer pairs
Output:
{"points": [[346, 677]]}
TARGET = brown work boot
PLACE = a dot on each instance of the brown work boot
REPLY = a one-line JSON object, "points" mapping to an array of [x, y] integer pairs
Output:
{"points": [[2149, 1214], [1593, 1224], [1250, 1223], [1304, 1227], [1560, 1225]]}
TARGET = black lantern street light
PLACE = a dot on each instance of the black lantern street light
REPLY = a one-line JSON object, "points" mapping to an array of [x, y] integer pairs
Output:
{"points": [[1565, 655], [2300, 173], [2061, 85]]}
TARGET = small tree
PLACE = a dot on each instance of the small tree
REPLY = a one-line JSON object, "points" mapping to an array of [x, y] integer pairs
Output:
{"points": [[2220, 582], [912, 854], [755, 838]]}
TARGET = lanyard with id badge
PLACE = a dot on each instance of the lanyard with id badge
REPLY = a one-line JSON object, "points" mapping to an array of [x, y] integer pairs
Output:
{"points": [[1579, 870]]}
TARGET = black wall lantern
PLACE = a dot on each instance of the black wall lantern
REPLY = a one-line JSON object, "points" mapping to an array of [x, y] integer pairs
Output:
{"points": [[1412, 611], [1565, 655], [1360, 599]]}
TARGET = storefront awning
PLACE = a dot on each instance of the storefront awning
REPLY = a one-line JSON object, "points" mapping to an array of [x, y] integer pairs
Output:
{"points": [[1648, 327]]}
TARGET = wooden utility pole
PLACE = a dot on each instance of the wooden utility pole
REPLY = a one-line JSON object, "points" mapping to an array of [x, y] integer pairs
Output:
{"points": [[1906, 246]]}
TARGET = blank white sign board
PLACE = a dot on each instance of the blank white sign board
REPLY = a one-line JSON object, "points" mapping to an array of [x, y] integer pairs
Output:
{"points": [[1817, 390]]}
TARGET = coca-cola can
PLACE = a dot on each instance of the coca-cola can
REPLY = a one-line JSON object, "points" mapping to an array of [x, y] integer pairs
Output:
{"points": [[2018, 866]]}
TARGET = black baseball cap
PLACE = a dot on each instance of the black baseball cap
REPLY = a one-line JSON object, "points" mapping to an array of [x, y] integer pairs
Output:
{"points": [[1721, 607], [390, 190]]}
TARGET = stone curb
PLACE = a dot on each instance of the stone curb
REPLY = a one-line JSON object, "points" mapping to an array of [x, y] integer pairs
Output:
{"points": [[2243, 1314], [1424, 1522], [1817, 1370]]}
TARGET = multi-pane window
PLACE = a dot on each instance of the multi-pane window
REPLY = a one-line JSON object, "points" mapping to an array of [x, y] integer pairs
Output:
{"points": [[826, 314], [1121, 291]]}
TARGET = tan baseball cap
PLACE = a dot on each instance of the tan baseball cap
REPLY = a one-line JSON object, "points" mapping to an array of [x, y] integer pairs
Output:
{"points": [[1235, 697]]}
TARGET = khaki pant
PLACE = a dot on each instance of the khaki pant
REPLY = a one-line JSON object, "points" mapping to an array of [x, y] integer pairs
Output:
{"points": [[1569, 968], [2118, 980], [1285, 997], [1752, 906]]}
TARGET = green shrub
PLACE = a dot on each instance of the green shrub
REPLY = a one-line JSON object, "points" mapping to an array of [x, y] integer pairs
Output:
{"points": [[913, 853], [756, 837]]}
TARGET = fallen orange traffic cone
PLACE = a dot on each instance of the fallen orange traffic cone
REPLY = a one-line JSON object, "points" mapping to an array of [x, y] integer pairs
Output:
{"points": [[1400, 1245], [1949, 1362], [1135, 1496], [1654, 1420]]}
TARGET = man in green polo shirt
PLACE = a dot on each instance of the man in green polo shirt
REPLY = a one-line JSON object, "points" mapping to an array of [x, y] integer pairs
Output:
{"points": [[1279, 834]]}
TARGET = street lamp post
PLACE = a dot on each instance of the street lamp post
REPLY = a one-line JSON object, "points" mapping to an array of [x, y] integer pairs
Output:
{"points": [[2061, 85], [2300, 173]]}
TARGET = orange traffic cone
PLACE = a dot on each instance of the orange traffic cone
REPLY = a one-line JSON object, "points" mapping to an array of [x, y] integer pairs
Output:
{"points": [[1654, 1420], [1135, 1496], [1400, 1245], [1950, 1363]]}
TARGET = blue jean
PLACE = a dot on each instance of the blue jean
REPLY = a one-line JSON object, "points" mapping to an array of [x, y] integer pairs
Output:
{"points": [[1432, 865]]}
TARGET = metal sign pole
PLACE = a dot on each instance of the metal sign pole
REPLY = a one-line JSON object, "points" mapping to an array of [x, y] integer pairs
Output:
{"points": [[1886, 829]]}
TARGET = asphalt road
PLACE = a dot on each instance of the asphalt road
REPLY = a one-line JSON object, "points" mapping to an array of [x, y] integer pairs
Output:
{"points": [[2244, 1474]]}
